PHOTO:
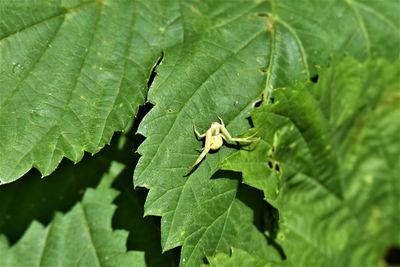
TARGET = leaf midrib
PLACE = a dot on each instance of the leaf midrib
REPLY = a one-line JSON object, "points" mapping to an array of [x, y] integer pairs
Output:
{"points": [[89, 233]]}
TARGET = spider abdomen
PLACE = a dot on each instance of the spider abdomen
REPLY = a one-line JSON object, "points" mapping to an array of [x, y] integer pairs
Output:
{"points": [[216, 142]]}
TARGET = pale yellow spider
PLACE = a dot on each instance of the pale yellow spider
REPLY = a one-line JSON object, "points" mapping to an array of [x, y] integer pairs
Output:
{"points": [[215, 137]]}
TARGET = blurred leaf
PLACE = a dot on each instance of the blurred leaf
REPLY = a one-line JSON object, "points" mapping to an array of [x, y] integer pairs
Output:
{"points": [[34, 198], [305, 34], [81, 237], [328, 159]]}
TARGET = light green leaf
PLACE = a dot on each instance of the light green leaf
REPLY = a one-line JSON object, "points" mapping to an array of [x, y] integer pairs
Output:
{"points": [[72, 73], [238, 258], [219, 70], [304, 35], [81, 237], [328, 159]]}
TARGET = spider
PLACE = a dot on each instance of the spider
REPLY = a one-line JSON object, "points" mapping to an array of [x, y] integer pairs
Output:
{"points": [[215, 137]]}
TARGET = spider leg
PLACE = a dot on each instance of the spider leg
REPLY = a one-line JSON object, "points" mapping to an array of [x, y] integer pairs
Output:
{"points": [[199, 136], [224, 132], [200, 158], [206, 149], [222, 122], [227, 137], [247, 139]]}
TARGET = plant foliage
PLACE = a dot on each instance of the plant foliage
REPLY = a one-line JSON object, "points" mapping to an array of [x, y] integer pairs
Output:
{"points": [[82, 237], [317, 81], [329, 162]]}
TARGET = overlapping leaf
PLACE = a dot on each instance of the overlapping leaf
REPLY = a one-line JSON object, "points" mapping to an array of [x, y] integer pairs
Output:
{"points": [[82, 237], [345, 129], [218, 71], [72, 73], [32, 197], [305, 34]]}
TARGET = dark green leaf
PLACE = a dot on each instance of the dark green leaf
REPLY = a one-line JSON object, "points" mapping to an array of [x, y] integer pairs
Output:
{"points": [[71, 74], [82, 237]]}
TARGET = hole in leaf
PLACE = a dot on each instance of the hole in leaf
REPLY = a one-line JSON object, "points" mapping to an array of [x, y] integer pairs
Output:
{"points": [[250, 121], [271, 100], [263, 71], [392, 256], [270, 164], [258, 103], [314, 78], [277, 167], [262, 14], [205, 260]]}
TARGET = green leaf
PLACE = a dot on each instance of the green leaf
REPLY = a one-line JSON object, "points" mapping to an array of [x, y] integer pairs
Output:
{"points": [[72, 73], [200, 214], [305, 34], [144, 232], [34, 198], [219, 70], [327, 160], [81, 237], [238, 258], [75, 71]]}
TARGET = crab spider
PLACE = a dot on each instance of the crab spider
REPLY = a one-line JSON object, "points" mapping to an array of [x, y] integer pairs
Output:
{"points": [[215, 137]]}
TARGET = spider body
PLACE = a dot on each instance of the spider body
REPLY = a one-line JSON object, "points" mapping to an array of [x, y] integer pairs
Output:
{"points": [[215, 137]]}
